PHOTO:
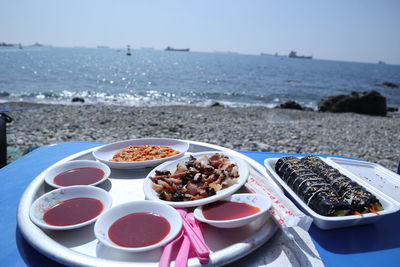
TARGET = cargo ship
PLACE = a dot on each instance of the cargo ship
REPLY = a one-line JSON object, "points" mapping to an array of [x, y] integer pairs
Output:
{"points": [[177, 49], [293, 54]]}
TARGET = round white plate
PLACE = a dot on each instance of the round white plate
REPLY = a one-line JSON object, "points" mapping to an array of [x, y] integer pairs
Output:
{"points": [[171, 166], [105, 153]]}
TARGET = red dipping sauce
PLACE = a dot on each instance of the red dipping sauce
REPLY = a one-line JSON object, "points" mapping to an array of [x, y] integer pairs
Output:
{"points": [[73, 211], [139, 229], [228, 210], [79, 176]]}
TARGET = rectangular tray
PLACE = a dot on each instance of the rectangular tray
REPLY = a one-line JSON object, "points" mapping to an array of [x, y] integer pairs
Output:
{"points": [[80, 247], [327, 222]]}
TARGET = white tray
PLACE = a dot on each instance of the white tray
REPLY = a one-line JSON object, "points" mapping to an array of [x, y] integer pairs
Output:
{"points": [[80, 247], [331, 222]]}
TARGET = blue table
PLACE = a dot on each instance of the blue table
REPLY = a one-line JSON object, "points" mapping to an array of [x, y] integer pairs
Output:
{"points": [[368, 245]]}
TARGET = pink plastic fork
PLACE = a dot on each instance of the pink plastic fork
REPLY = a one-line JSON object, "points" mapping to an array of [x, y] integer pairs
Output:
{"points": [[201, 249], [183, 254], [165, 259], [196, 225]]}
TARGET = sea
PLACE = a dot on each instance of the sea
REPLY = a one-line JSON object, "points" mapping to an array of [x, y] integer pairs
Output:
{"points": [[152, 77]]}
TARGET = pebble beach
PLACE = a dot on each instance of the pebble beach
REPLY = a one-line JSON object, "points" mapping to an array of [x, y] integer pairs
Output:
{"points": [[372, 138]]}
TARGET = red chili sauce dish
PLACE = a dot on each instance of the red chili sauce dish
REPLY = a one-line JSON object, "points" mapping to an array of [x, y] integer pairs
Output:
{"points": [[228, 210], [73, 211], [139, 229], [79, 176]]}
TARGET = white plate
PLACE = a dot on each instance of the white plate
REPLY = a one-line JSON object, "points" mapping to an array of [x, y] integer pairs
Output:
{"points": [[327, 222], [52, 198], [105, 153], [171, 166], [52, 172], [263, 203], [105, 221]]}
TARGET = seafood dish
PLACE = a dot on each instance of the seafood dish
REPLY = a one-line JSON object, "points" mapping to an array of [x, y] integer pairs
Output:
{"points": [[196, 178], [324, 189], [143, 153]]}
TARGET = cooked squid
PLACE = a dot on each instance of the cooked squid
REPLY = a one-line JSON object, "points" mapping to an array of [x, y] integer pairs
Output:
{"points": [[196, 178]]}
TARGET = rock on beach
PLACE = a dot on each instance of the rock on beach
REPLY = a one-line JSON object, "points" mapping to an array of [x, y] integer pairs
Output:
{"points": [[370, 138]]}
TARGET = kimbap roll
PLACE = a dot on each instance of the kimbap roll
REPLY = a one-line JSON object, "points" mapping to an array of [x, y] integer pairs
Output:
{"points": [[354, 194], [311, 188]]}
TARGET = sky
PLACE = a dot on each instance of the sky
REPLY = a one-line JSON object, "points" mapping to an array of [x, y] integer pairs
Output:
{"points": [[348, 30]]}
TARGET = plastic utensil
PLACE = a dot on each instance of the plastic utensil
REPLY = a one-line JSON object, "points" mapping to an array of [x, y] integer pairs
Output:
{"points": [[165, 259], [183, 254], [197, 227], [201, 249]]}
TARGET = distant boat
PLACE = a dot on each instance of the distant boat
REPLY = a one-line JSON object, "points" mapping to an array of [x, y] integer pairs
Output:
{"points": [[19, 46], [102, 46], [128, 51], [6, 45], [293, 54], [275, 55], [381, 62], [177, 49]]}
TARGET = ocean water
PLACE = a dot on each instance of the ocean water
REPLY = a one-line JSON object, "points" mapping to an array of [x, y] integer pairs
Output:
{"points": [[151, 78]]}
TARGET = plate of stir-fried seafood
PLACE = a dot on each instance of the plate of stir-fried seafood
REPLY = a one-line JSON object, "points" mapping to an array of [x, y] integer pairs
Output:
{"points": [[140, 153], [196, 179]]}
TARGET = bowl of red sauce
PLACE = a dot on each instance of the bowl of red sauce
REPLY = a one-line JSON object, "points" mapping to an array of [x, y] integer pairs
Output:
{"points": [[69, 207], [235, 211], [138, 226], [77, 172]]}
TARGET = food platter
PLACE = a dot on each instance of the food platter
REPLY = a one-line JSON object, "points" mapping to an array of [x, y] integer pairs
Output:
{"points": [[79, 247], [331, 222]]}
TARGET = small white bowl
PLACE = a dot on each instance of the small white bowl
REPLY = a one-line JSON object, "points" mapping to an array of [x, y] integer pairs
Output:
{"points": [[106, 152], [57, 169], [256, 200], [52, 198], [105, 221]]}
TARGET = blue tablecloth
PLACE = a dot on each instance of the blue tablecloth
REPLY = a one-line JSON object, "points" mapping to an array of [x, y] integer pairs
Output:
{"points": [[368, 245]]}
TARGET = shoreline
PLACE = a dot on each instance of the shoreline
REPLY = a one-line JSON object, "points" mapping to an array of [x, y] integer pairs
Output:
{"points": [[370, 138]]}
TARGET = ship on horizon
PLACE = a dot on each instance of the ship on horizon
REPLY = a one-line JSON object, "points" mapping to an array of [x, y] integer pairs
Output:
{"points": [[177, 49], [293, 54]]}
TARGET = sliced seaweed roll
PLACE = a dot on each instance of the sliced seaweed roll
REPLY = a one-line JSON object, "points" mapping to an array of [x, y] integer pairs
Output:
{"points": [[356, 195], [311, 188]]}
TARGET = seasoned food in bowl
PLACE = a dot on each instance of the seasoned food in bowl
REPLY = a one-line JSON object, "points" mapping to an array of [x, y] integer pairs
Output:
{"points": [[143, 153], [196, 179], [140, 153]]}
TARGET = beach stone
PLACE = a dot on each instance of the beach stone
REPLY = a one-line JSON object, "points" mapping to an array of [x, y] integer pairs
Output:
{"points": [[217, 104], [78, 99], [370, 102], [390, 84], [291, 105]]}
